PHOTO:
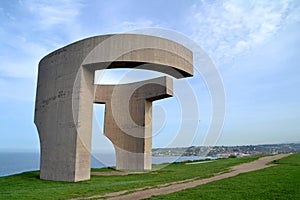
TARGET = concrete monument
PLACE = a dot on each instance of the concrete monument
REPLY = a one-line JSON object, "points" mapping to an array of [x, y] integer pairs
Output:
{"points": [[66, 93]]}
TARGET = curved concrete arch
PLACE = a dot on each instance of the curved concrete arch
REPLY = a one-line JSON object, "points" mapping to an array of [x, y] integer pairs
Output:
{"points": [[65, 93]]}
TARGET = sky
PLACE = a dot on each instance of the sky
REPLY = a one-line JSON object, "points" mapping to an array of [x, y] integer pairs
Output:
{"points": [[254, 45]]}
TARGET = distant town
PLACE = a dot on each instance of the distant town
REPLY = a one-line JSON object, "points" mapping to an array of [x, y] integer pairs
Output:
{"points": [[228, 151]]}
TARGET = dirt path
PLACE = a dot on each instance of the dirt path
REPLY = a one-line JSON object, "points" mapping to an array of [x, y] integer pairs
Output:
{"points": [[172, 187]]}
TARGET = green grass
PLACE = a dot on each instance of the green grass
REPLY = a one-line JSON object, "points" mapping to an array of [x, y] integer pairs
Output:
{"points": [[29, 186], [278, 182]]}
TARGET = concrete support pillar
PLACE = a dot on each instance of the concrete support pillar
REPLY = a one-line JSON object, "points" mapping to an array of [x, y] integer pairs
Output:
{"points": [[128, 122]]}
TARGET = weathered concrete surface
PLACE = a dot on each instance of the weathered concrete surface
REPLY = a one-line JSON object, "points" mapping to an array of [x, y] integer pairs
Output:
{"points": [[128, 122], [65, 93]]}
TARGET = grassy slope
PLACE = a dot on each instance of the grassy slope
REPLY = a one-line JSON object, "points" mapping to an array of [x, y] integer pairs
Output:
{"points": [[29, 186], [278, 182]]}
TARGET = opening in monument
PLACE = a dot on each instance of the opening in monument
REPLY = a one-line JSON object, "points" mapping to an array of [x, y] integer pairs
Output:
{"points": [[124, 75], [103, 152]]}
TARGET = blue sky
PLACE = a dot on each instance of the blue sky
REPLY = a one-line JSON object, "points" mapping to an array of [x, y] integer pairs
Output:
{"points": [[253, 44]]}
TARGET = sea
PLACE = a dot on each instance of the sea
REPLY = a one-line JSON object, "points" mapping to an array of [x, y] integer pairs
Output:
{"points": [[18, 162]]}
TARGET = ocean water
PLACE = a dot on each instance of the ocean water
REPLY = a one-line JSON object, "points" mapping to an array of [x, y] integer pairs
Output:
{"points": [[18, 162]]}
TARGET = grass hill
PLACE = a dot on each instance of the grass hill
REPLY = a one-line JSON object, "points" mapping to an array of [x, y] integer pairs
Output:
{"points": [[277, 182]]}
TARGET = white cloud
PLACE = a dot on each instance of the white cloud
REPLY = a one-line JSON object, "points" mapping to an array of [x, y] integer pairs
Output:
{"points": [[56, 18], [51, 13], [20, 57], [27, 69], [231, 28], [29, 38], [17, 89], [140, 23], [130, 25]]}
